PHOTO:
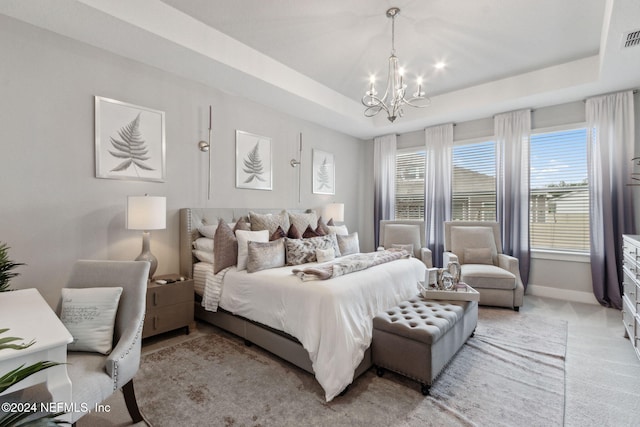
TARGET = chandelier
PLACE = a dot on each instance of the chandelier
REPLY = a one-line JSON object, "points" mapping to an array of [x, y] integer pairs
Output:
{"points": [[394, 98]]}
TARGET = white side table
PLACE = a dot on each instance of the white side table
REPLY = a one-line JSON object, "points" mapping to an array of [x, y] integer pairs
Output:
{"points": [[28, 316]]}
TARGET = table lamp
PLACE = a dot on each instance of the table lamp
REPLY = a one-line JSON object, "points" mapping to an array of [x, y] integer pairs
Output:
{"points": [[147, 213], [335, 211]]}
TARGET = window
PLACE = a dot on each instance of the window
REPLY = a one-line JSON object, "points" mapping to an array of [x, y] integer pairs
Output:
{"points": [[410, 167], [559, 191], [474, 182]]}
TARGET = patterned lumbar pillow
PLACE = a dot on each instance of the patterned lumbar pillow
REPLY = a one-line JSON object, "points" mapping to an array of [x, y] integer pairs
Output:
{"points": [[407, 248], [301, 251], [90, 314], [264, 255]]}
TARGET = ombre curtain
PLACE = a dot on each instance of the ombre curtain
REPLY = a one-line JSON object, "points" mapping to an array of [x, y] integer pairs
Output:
{"points": [[437, 197], [610, 121], [513, 132], [384, 181]]}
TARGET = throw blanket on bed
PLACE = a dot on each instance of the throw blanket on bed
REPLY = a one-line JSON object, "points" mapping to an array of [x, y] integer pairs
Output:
{"points": [[349, 264]]}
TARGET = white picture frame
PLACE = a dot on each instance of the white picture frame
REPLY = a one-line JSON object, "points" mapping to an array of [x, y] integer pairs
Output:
{"points": [[324, 170], [253, 161], [129, 141]]}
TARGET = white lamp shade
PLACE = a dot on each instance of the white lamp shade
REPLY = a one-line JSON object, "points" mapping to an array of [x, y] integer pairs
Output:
{"points": [[146, 213], [335, 211]]}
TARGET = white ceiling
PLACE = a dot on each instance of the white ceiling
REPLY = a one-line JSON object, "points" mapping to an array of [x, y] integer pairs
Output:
{"points": [[312, 59]]}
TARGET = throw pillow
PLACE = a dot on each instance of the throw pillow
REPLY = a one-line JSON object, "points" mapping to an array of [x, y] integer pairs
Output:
{"points": [[204, 244], [244, 237], [301, 251], [478, 256], [321, 226], [324, 255], [203, 256], [264, 255], [225, 247], [242, 224], [467, 237], [208, 230], [303, 220], [330, 222], [293, 233], [310, 232], [269, 222], [338, 229], [348, 244], [278, 234], [90, 314]]}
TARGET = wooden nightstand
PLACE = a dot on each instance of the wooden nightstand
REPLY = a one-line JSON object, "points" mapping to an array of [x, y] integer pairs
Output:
{"points": [[169, 306]]}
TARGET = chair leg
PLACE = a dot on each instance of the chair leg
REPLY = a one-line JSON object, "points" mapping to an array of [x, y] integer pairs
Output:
{"points": [[132, 404]]}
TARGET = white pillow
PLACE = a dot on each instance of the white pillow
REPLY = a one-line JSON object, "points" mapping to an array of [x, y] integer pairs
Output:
{"points": [[203, 256], [208, 230], [324, 255], [340, 230], [90, 314], [203, 244], [244, 237]]}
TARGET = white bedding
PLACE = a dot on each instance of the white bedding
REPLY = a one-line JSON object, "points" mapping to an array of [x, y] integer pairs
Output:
{"points": [[331, 318]]}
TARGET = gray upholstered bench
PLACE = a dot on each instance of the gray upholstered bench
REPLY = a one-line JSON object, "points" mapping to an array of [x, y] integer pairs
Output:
{"points": [[418, 337]]}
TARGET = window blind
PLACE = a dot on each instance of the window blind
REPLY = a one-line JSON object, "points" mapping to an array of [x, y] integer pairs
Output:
{"points": [[474, 182], [410, 173], [559, 196]]}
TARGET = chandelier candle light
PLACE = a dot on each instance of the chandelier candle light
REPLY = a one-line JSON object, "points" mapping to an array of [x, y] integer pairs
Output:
{"points": [[394, 97]]}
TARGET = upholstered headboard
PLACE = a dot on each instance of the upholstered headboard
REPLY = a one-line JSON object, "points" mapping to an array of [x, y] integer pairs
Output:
{"points": [[192, 218]]}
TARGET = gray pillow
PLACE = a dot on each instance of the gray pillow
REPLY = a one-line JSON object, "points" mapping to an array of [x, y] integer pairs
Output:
{"points": [[269, 222], [348, 244], [225, 247], [303, 220], [264, 255], [478, 256]]}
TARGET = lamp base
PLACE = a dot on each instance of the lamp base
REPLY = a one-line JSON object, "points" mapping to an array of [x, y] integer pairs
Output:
{"points": [[146, 254]]}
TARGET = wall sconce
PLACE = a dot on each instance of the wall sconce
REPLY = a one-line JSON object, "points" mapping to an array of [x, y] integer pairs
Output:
{"points": [[147, 213], [205, 146], [295, 163]]}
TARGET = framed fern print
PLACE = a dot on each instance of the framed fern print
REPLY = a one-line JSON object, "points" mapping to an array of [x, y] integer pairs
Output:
{"points": [[324, 177], [130, 141], [253, 161]]}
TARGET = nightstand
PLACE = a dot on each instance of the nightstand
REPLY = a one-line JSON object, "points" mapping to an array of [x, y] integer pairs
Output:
{"points": [[169, 306]]}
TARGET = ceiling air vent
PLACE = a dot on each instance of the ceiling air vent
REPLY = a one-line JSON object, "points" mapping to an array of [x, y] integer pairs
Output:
{"points": [[630, 39]]}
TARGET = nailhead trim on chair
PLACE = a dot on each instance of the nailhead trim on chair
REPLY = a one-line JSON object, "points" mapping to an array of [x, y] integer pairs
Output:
{"points": [[115, 368]]}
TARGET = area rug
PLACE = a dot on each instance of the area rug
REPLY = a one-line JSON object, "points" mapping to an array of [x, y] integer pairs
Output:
{"points": [[510, 373]]}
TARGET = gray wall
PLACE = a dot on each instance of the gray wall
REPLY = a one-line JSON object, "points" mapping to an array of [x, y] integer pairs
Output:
{"points": [[54, 211]]}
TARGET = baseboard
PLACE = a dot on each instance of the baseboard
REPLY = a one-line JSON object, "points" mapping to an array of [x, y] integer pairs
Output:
{"points": [[563, 294]]}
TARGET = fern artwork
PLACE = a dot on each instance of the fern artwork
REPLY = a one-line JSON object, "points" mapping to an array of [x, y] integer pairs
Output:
{"points": [[130, 148], [323, 172], [253, 161], [130, 141]]}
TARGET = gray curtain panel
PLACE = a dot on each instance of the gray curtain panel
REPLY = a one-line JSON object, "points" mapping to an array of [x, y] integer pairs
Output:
{"points": [[512, 132], [437, 197], [384, 181], [610, 121]]}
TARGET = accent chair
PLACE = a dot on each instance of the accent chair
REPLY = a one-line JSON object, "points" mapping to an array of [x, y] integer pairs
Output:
{"points": [[406, 232]]}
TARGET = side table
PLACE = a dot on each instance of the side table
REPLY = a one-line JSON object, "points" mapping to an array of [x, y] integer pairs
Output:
{"points": [[169, 306]]}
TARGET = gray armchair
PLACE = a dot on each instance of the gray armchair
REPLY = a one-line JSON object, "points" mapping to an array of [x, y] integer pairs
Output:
{"points": [[477, 246], [406, 232], [94, 377]]}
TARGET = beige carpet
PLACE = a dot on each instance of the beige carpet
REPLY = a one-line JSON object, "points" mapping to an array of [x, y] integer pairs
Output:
{"points": [[510, 373]]}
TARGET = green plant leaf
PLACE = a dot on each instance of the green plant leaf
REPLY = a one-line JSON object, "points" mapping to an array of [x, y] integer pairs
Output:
{"points": [[22, 372]]}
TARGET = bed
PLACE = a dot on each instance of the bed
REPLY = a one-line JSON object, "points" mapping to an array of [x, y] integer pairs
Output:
{"points": [[323, 327]]}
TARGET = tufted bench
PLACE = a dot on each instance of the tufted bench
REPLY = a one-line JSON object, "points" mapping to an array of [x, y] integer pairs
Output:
{"points": [[418, 337]]}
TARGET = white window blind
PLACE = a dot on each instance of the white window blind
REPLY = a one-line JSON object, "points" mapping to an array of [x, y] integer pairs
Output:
{"points": [[559, 197], [474, 182], [410, 173]]}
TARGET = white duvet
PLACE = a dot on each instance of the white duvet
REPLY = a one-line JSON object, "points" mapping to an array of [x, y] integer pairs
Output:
{"points": [[331, 318]]}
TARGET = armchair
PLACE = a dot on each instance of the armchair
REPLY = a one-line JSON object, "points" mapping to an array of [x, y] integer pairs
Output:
{"points": [[406, 232], [94, 377], [477, 246]]}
